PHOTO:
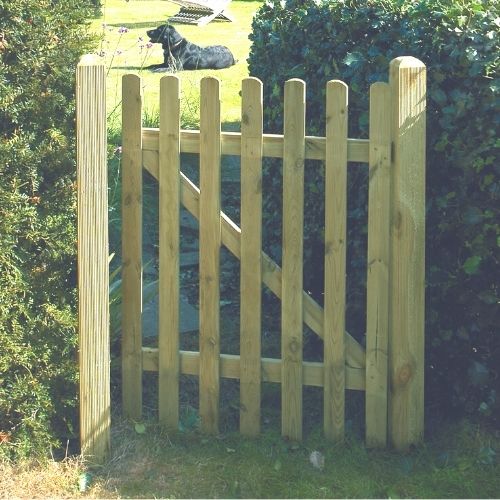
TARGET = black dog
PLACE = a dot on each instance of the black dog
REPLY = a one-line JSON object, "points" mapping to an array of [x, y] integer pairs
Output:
{"points": [[180, 54]]}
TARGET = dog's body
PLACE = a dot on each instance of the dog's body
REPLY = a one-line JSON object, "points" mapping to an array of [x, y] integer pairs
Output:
{"points": [[180, 54]]}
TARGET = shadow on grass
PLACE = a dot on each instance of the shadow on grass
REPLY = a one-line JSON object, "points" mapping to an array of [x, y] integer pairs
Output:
{"points": [[138, 68], [133, 26], [189, 464]]}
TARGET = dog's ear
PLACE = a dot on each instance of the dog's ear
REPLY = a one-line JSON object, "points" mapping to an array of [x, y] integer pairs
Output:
{"points": [[174, 35], [163, 33]]}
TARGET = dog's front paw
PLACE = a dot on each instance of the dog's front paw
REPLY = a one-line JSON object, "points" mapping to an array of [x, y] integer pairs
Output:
{"points": [[157, 68], [161, 69]]}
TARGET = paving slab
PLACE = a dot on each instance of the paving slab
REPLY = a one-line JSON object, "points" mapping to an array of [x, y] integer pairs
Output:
{"points": [[189, 317], [189, 259]]}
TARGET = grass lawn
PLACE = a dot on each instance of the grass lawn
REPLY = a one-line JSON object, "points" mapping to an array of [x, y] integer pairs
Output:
{"points": [[456, 462], [126, 51]]}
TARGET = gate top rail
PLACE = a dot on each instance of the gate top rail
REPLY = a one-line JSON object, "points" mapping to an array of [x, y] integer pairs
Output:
{"points": [[315, 148]]}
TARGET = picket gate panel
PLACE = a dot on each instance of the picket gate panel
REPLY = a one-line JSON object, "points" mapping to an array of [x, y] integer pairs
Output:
{"points": [[390, 370], [271, 272]]}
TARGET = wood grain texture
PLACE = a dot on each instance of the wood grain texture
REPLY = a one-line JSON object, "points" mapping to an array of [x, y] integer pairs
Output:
{"points": [[230, 367], [131, 247], [292, 248], [335, 258], [169, 211], [377, 302], [251, 256], [210, 240], [357, 149], [407, 80], [93, 251]]}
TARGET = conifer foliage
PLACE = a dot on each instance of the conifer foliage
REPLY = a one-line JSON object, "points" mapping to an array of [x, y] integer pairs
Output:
{"points": [[40, 44]]}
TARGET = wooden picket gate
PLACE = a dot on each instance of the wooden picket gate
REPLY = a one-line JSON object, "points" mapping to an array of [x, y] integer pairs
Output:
{"points": [[390, 368]]}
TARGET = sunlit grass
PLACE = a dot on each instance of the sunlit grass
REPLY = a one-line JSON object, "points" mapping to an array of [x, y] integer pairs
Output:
{"points": [[124, 47]]}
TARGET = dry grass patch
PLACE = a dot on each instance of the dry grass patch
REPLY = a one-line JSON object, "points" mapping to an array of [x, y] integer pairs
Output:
{"points": [[48, 479]]}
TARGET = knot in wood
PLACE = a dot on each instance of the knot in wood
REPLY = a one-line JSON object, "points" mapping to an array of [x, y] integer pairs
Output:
{"points": [[397, 220], [404, 374], [294, 345], [299, 164]]}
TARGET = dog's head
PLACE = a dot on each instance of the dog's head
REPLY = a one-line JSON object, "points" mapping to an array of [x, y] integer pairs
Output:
{"points": [[165, 34]]}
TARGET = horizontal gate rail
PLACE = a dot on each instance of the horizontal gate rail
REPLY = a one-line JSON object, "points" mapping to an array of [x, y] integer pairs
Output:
{"points": [[230, 367], [315, 147]]}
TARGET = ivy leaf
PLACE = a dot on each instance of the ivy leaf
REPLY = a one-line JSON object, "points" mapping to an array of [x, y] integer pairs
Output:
{"points": [[487, 455], [471, 265], [478, 374], [473, 216], [353, 58], [140, 428], [439, 96]]}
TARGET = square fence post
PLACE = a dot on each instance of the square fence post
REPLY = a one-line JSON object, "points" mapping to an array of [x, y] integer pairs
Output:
{"points": [[93, 251], [407, 81]]}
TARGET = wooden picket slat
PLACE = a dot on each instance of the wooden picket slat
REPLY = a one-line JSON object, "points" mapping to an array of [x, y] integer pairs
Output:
{"points": [[210, 240], [377, 303], [292, 278], [407, 78], [335, 258], [131, 246], [169, 211], [251, 256]]}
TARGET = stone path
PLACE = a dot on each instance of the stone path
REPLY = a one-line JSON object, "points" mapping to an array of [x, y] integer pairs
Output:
{"points": [[189, 258]]}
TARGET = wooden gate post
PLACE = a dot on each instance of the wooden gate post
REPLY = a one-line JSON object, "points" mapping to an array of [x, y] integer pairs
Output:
{"points": [[93, 270], [407, 80]]}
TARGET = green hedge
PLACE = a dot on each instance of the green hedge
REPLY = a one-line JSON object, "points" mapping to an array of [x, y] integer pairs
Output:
{"points": [[458, 41], [42, 41]]}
